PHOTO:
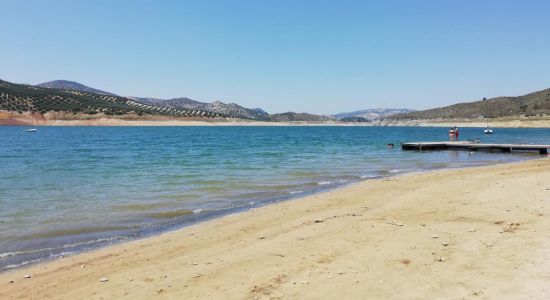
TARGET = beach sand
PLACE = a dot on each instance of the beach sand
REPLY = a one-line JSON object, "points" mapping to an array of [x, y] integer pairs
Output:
{"points": [[476, 233]]}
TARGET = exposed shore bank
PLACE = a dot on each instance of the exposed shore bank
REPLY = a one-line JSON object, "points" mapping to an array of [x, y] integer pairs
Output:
{"points": [[531, 122], [69, 119], [471, 233]]}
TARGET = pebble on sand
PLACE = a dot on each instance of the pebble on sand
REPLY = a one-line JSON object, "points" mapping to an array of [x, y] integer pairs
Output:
{"points": [[27, 276], [104, 279], [435, 236]]}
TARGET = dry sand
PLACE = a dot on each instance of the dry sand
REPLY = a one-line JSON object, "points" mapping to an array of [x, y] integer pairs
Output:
{"points": [[477, 233]]}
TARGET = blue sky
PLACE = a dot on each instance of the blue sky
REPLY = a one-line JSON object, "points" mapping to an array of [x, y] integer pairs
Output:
{"points": [[316, 56]]}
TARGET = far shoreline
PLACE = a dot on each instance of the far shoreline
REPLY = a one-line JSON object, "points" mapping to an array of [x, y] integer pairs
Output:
{"points": [[69, 119], [230, 123]]}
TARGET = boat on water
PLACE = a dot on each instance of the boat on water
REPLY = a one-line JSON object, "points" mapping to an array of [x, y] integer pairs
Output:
{"points": [[488, 130], [32, 124]]}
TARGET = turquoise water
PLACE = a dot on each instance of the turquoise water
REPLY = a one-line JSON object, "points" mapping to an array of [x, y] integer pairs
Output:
{"points": [[67, 189]]}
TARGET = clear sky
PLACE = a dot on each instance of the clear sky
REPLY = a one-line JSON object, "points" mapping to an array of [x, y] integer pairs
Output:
{"points": [[316, 56]]}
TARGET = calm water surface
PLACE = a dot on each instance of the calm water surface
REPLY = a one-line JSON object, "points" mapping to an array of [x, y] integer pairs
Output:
{"points": [[67, 189]]}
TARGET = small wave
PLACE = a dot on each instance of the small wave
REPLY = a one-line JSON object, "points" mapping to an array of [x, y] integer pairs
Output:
{"points": [[66, 246], [22, 263], [197, 211], [296, 192], [367, 176], [324, 182], [334, 181], [26, 262]]}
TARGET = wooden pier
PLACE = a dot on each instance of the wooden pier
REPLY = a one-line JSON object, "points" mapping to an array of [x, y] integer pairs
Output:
{"points": [[471, 146]]}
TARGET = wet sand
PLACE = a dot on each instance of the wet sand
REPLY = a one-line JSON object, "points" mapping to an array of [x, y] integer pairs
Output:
{"points": [[476, 233]]}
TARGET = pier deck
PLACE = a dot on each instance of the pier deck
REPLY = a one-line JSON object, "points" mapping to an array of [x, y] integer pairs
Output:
{"points": [[470, 146]]}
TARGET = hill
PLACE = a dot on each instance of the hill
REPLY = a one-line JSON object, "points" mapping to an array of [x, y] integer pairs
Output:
{"points": [[217, 107], [73, 86], [23, 98], [533, 104], [354, 120], [298, 117], [370, 114], [73, 97], [231, 110]]}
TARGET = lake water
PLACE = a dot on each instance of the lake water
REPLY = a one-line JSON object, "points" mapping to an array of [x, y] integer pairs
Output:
{"points": [[67, 189]]}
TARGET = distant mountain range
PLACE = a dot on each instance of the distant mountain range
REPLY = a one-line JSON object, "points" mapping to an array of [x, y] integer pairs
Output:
{"points": [[533, 104], [78, 100], [69, 96], [234, 110], [370, 114], [73, 97], [230, 109]]}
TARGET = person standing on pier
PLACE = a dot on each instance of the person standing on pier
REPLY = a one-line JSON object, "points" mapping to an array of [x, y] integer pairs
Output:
{"points": [[456, 133], [451, 135]]}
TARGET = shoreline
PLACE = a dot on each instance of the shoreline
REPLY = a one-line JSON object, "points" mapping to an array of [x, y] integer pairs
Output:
{"points": [[279, 246], [191, 123], [203, 216], [67, 119], [210, 215]]}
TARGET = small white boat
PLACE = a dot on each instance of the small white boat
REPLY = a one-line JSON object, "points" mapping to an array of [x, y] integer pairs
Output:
{"points": [[488, 130], [31, 130]]}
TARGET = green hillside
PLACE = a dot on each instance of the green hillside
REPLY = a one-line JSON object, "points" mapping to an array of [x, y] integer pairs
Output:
{"points": [[21, 98], [298, 117], [533, 104]]}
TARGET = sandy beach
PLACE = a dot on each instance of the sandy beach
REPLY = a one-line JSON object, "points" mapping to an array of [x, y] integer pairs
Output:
{"points": [[475, 233]]}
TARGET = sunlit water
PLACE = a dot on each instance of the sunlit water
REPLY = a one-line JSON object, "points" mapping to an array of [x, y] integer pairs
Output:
{"points": [[67, 189]]}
